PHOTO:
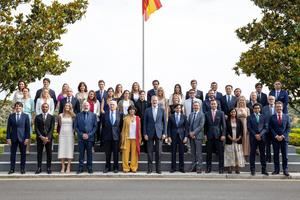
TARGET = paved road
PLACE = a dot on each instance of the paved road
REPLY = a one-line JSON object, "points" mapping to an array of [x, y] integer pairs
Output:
{"points": [[143, 189]]}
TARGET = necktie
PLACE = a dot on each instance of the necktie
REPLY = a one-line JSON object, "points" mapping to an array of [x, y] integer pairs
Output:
{"points": [[101, 94], [85, 115], [271, 110], [277, 94], [192, 102], [112, 120], [257, 118], [18, 117], [279, 119], [44, 116], [177, 119], [154, 113], [193, 120], [213, 115], [69, 100]]}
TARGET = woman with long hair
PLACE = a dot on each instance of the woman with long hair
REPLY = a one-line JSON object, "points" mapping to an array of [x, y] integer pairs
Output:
{"points": [[66, 137], [45, 98], [18, 95], [118, 92], [135, 90], [62, 94], [125, 102], [105, 102], [178, 92], [82, 93]]}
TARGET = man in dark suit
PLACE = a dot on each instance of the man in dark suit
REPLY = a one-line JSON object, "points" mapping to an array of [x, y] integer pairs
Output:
{"points": [[44, 126], [100, 94], [214, 130], [46, 83], [112, 123], [198, 93], [86, 126], [218, 95], [70, 99], [280, 129], [206, 104], [152, 92], [280, 95], [268, 111], [18, 134], [154, 132], [257, 127], [141, 105], [177, 134], [262, 98], [196, 134], [228, 100]]}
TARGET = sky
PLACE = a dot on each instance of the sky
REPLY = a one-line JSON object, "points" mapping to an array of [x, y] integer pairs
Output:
{"points": [[184, 40]]}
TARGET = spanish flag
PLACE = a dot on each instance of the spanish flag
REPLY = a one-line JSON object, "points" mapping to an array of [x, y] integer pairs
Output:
{"points": [[149, 7]]}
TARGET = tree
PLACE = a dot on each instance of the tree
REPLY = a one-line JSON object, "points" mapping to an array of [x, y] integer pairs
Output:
{"points": [[274, 41], [29, 41]]}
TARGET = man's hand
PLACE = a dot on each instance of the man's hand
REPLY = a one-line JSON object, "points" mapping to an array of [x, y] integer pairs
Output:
{"points": [[222, 138], [8, 141], [258, 137], [163, 136], [146, 137], [85, 136], [185, 140], [26, 141]]}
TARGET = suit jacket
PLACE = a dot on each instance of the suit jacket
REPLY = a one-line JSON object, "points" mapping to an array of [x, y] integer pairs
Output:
{"points": [[112, 131], [283, 129], [158, 126], [199, 95], [51, 93], [18, 131], [250, 106], [206, 105], [239, 130], [181, 129], [283, 97], [188, 105], [267, 112], [263, 99], [227, 106], [197, 126], [218, 96], [253, 127], [141, 107], [98, 96], [75, 105], [150, 93], [88, 125], [215, 129], [44, 127]]}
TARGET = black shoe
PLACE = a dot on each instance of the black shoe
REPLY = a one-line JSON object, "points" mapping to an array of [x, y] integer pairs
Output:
{"points": [[275, 172], [182, 170], [221, 171], [265, 173], [208, 171], [269, 160], [23, 171], [172, 171], [149, 171], [199, 171], [158, 171], [116, 171], [193, 169], [80, 171], [49, 171], [286, 173], [106, 170], [90, 171], [252, 173], [38, 171], [11, 171]]}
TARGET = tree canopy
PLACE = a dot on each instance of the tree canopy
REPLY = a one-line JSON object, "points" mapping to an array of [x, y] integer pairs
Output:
{"points": [[29, 41], [274, 46]]}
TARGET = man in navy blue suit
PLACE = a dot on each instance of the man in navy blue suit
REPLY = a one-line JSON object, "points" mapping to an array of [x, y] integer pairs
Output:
{"points": [[70, 99], [218, 95], [262, 98], [228, 100], [280, 95], [86, 126], [46, 83], [112, 123], [206, 104], [178, 128], [214, 131], [101, 94], [280, 129], [154, 132], [152, 92], [257, 126], [18, 134]]}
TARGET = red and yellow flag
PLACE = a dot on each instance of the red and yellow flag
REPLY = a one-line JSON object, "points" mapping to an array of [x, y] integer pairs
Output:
{"points": [[149, 7]]}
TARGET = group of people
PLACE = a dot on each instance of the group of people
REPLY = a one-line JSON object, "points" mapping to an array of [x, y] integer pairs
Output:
{"points": [[235, 128]]}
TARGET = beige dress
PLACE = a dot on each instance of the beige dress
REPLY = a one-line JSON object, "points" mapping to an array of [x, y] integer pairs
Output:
{"points": [[233, 154], [242, 114]]}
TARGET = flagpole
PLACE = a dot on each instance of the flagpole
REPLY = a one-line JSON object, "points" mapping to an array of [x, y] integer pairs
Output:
{"points": [[143, 53]]}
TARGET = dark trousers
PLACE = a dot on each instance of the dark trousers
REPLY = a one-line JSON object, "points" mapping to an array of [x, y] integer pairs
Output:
{"points": [[261, 146], [40, 148], [283, 147], [177, 141], [98, 132], [196, 150], [268, 146], [218, 144], [85, 146], [13, 152], [157, 143], [112, 146]]}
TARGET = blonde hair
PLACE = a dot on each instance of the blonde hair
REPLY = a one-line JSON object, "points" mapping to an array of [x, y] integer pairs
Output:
{"points": [[43, 91], [242, 99], [163, 93], [70, 112]]}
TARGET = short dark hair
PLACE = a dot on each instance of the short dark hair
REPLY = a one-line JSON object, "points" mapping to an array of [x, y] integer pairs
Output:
{"points": [[228, 86], [279, 102], [214, 83], [47, 79], [131, 107], [18, 103], [256, 104], [192, 90], [258, 84], [176, 105], [155, 81], [194, 80], [142, 91], [26, 89], [80, 84], [101, 81]]}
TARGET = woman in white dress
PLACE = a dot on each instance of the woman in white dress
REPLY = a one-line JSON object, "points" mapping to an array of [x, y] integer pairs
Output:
{"points": [[66, 137]]}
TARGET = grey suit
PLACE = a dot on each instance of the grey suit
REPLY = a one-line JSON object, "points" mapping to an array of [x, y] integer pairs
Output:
{"points": [[196, 125], [266, 111]]}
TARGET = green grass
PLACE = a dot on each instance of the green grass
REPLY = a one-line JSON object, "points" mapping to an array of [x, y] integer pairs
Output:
{"points": [[298, 150], [1, 149]]}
